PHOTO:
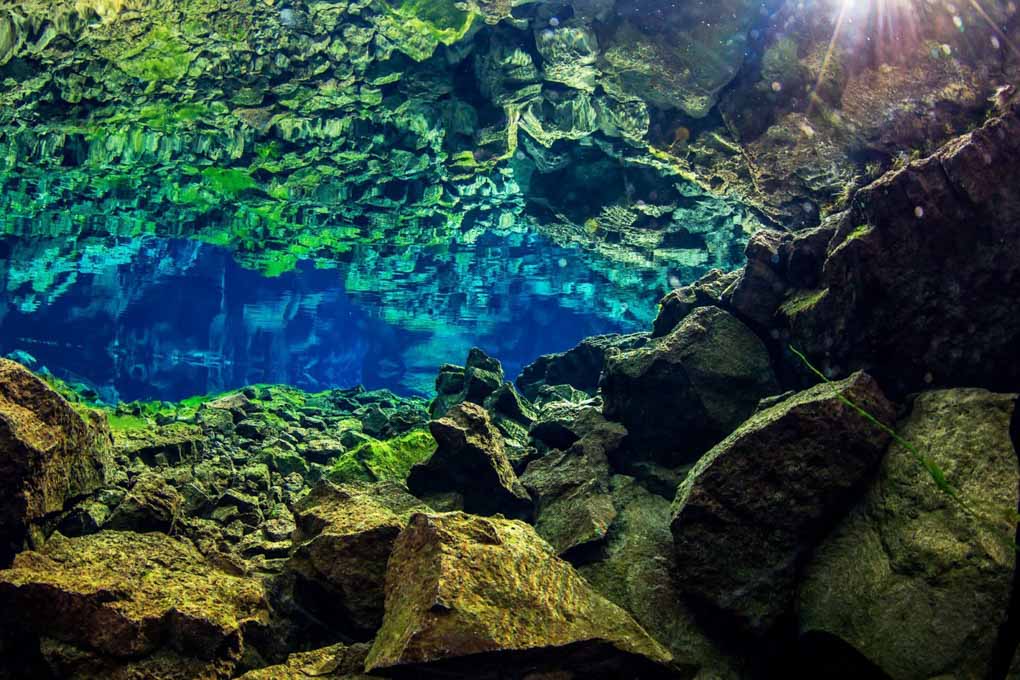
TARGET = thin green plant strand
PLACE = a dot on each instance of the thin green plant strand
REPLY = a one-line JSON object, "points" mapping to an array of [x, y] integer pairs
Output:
{"points": [[936, 473]]}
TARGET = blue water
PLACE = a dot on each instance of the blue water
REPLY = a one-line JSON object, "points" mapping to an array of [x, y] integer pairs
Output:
{"points": [[168, 319]]}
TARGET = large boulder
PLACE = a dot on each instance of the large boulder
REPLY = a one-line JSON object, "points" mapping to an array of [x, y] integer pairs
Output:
{"points": [[914, 580], [49, 453], [580, 367], [754, 506], [684, 392], [471, 461], [489, 597], [920, 282], [125, 597], [344, 537]]}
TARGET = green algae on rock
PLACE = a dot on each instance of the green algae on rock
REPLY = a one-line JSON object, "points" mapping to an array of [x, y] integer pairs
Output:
{"points": [[50, 452], [911, 579], [343, 540], [124, 596], [488, 594]]}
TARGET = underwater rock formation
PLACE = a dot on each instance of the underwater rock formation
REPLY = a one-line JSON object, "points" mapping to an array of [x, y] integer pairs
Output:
{"points": [[715, 369], [801, 470], [916, 582], [49, 454], [757, 503], [488, 597], [123, 598]]}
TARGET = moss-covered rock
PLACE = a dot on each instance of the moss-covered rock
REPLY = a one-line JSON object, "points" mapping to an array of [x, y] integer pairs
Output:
{"points": [[913, 580], [471, 460], [125, 596], [343, 539], [489, 595], [337, 662], [379, 461], [50, 452]]}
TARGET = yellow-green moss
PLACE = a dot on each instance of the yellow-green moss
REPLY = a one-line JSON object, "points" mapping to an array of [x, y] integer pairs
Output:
{"points": [[802, 301], [389, 460]]}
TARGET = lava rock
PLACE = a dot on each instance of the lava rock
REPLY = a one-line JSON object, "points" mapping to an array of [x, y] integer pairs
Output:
{"points": [[753, 507], [579, 367], [49, 454], [488, 597], [681, 394], [471, 460], [344, 537], [911, 579], [571, 491], [124, 596], [151, 504], [919, 286]]}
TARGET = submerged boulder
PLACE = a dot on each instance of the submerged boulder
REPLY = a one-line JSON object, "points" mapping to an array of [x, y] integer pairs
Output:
{"points": [[471, 461], [571, 489], [49, 453], [579, 367], [123, 597], [754, 506], [913, 580], [488, 597], [344, 537], [481, 376], [680, 394], [638, 572]]}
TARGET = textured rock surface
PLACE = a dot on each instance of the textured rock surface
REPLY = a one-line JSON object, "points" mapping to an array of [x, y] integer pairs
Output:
{"points": [[571, 488], [343, 539], [910, 579], [491, 596], [49, 453], [580, 367], [125, 595], [471, 460], [682, 393], [753, 507], [638, 572], [338, 662], [908, 261]]}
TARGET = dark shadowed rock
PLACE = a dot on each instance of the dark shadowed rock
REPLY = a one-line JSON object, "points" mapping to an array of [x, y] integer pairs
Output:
{"points": [[921, 279], [49, 453], [122, 597], [684, 392], [481, 376], [579, 367], [471, 460], [489, 598], [344, 537], [910, 579], [755, 505], [638, 572], [571, 489]]}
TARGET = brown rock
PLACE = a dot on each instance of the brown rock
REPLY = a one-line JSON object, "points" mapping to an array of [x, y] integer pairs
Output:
{"points": [[49, 453], [755, 505]]}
